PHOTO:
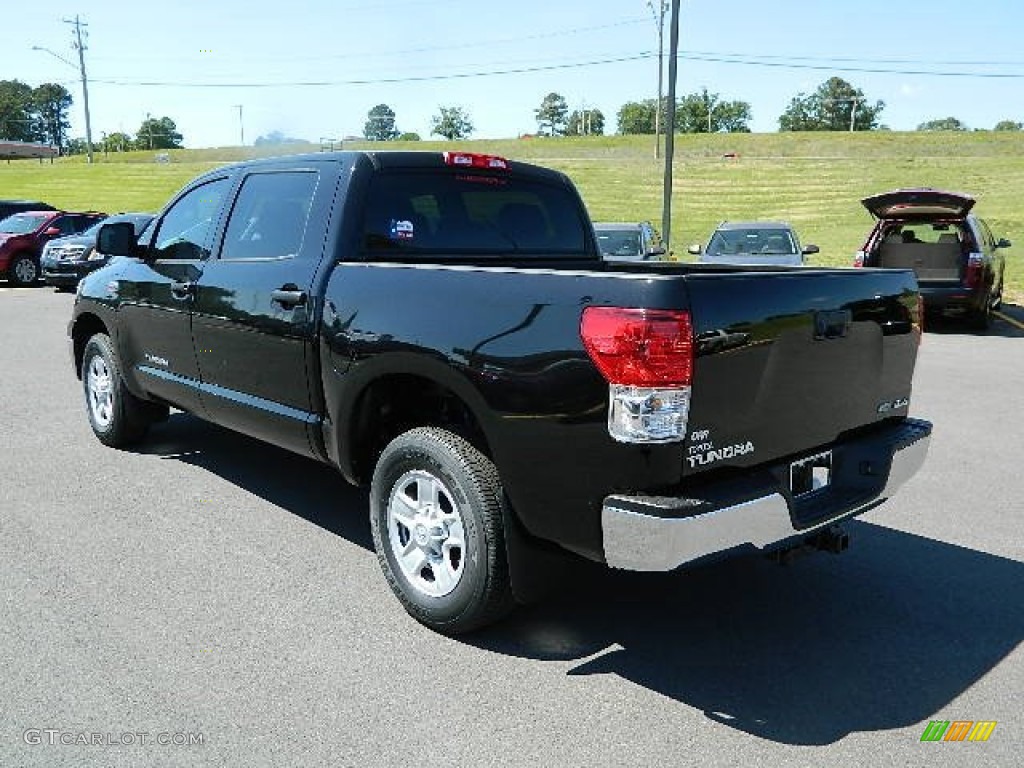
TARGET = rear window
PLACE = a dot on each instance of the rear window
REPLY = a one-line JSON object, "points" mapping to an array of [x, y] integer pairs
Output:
{"points": [[411, 213]]}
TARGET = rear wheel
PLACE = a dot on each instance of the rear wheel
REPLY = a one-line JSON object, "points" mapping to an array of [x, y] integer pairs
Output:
{"points": [[981, 319], [23, 270], [436, 516], [117, 417]]}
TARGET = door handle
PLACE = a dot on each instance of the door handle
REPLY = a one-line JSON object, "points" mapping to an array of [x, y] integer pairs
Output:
{"points": [[182, 290], [288, 298]]}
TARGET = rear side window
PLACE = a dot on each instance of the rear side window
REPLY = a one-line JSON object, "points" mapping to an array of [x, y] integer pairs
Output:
{"points": [[473, 214], [270, 215]]}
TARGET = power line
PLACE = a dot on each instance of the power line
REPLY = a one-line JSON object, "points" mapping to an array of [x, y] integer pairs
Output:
{"points": [[384, 80]]}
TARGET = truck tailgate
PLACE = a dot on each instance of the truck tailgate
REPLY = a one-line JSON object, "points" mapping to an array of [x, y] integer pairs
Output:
{"points": [[789, 361]]}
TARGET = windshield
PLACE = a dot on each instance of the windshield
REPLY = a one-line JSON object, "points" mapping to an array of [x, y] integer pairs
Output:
{"points": [[619, 242], [768, 242], [21, 224]]}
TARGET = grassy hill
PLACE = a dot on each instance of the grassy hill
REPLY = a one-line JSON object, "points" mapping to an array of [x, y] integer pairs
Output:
{"points": [[814, 180]]}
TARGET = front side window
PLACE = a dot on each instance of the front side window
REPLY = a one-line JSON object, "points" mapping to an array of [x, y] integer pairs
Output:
{"points": [[186, 229], [270, 215], [473, 214]]}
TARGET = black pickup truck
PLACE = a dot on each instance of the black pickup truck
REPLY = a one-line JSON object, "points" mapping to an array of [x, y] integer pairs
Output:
{"points": [[442, 327]]}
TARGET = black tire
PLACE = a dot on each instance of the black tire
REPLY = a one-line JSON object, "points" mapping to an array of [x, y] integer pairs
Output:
{"points": [[469, 481], [23, 270], [981, 320], [124, 418]]}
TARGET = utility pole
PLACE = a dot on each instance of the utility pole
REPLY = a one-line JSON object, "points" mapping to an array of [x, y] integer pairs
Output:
{"points": [[85, 82], [659, 20], [853, 113], [670, 146], [241, 126]]}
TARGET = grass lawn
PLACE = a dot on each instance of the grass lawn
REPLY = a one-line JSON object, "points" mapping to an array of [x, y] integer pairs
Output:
{"points": [[813, 180]]}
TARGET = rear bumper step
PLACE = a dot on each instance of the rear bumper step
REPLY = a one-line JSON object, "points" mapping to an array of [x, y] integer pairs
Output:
{"points": [[644, 533]]}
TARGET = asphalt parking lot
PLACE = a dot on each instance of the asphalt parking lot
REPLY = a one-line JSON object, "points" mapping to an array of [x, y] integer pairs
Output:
{"points": [[206, 584]]}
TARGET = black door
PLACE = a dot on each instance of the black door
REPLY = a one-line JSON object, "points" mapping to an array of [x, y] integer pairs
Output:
{"points": [[156, 336], [252, 321]]}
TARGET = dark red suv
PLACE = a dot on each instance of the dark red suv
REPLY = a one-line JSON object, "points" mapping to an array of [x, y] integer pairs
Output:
{"points": [[23, 235], [958, 262]]}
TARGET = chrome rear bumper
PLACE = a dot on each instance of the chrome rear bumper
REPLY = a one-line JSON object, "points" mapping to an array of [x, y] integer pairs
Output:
{"points": [[658, 534]]}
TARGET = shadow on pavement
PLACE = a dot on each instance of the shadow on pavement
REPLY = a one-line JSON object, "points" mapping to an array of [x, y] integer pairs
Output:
{"points": [[303, 486], [949, 326], [881, 637]]}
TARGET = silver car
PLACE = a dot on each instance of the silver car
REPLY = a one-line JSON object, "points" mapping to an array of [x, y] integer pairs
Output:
{"points": [[769, 243]]}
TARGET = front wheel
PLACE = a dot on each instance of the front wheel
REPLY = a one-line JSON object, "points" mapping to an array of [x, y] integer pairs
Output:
{"points": [[436, 517], [117, 417], [23, 270]]}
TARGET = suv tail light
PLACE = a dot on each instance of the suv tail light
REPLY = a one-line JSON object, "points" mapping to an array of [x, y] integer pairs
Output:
{"points": [[646, 355], [858, 259], [975, 267]]}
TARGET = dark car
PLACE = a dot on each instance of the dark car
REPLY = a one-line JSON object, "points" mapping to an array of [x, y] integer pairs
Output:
{"points": [[958, 262], [11, 207], [772, 243], [66, 260], [633, 241], [23, 235]]}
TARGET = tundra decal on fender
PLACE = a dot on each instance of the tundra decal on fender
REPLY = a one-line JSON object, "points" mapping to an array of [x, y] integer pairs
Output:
{"points": [[717, 454]]}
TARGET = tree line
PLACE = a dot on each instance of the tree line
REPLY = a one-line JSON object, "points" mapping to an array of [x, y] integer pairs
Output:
{"points": [[40, 114]]}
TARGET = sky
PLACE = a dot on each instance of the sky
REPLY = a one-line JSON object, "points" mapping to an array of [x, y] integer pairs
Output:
{"points": [[312, 70]]}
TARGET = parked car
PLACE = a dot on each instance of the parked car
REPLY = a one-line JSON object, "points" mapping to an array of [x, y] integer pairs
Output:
{"points": [[23, 235], [773, 243], [627, 241], [441, 327], [958, 261], [66, 260], [11, 207]]}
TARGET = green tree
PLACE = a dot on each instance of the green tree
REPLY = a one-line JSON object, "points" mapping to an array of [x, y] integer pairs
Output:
{"points": [[830, 108], [451, 122], [945, 124], [1009, 125], [380, 124], [552, 115], [585, 122], [17, 111], [51, 103], [706, 113], [410, 136], [637, 117], [158, 134], [117, 142]]}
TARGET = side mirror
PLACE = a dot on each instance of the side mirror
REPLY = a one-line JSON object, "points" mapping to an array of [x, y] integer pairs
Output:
{"points": [[694, 249], [117, 239], [809, 249], [655, 252], [1003, 243], [51, 232]]}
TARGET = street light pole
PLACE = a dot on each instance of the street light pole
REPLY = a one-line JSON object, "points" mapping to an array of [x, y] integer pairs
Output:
{"points": [[241, 126], [659, 20], [85, 82], [670, 146]]}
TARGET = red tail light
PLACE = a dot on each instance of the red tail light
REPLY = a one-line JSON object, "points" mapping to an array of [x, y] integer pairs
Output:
{"points": [[640, 347], [474, 160], [858, 260], [975, 267]]}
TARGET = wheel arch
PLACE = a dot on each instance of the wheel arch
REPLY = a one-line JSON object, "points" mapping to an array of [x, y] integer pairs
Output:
{"points": [[85, 327], [374, 407]]}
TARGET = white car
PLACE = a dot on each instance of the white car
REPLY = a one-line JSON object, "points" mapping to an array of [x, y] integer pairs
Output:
{"points": [[770, 243]]}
